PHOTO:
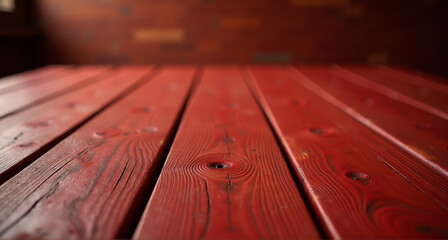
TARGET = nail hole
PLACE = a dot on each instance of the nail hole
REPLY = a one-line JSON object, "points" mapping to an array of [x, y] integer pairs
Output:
{"points": [[359, 177], [316, 131], [219, 165], [424, 229], [423, 126]]}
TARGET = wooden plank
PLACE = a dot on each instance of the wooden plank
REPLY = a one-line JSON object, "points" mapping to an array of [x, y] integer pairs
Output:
{"points": [[426, 91], [418, 132], [360, 185], [373, 86], [28, 133], [415, 77], [92, 184], [35, 81], [17, 100], [225, 176], [30, 76]]}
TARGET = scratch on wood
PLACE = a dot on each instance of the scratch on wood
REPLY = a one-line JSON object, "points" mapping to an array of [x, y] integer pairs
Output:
{"points": [[330, 163], [229, 188], [410, 182], [13, 140], [53, 188], [228, 140], [209, 207]]}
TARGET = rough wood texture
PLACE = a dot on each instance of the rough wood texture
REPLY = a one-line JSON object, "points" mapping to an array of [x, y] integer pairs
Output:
{"points": [[16, 100], [92, 183], [400, 120], [379, 88], [360, 185], [30, 78], [225, 176], [27, 133], [430, 91]]}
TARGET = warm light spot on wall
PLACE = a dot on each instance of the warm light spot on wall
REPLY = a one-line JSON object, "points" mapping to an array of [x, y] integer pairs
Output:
{"points": [[320, 3], [353, 11], [240, 22], [7, 5], [378, 58], [208, 46], [145, 35]]}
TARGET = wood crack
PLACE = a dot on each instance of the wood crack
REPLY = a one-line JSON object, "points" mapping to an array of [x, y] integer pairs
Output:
{"points": [[13, 140], [228, 140], [209, 207]]}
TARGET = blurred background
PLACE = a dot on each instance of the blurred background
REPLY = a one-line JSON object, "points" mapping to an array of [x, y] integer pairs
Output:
{"points": [[404, 33]]}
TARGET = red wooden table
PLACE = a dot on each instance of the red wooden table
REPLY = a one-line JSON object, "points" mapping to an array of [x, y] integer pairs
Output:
{"points": [[223, 152]]}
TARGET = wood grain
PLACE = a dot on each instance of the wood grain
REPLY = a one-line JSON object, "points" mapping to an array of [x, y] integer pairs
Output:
{"points": [[432, 93], [360, 185], [92, 184], [391, 93], [17, 100], [28, 133], [30, 77], [419, 132], [225, 176]]}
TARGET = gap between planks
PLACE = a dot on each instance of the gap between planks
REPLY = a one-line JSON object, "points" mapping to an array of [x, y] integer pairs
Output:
{"points": [[135, 216], [297, 177], [48, 144], [284, 102], [318, 90], [149, 106]]}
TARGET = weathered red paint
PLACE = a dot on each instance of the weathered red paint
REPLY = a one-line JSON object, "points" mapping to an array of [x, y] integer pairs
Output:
{"points": [[90, 187], [80, 149], [400, 121], [430, 92], [16, 100], [225, 177], [360, 185], [28, 132], [33, 77]]}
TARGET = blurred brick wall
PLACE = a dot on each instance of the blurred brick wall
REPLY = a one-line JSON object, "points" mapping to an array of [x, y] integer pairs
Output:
{"points": [[409, 33]]}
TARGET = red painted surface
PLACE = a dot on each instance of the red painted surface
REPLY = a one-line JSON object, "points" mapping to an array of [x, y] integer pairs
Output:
{"points": [[415, 77], [91, 185], [225, 177], [430, 92], [28, 132], [33, 77], [81, 149], [373, 86], [399, 119], [16, 100], [360, 185]]}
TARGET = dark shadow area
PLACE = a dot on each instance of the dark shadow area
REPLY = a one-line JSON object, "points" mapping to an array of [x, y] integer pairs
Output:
{"points": [[404, 33]]}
